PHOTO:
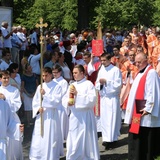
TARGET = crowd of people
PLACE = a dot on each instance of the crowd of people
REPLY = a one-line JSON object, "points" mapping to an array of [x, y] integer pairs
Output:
{"points": [[82, 96]]}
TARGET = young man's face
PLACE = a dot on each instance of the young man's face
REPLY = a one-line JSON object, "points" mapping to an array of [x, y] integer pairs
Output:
{"points": [[56, 74], [47, 77], [77, 74], [8, 56], [5, 80], [86, 59], [105, 61], [115, 51]]}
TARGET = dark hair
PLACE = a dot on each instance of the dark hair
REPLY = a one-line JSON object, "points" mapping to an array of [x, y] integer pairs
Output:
{"points": [[88, 54], [58, 67], [80, 68], [117, 46], [32, 48], [134, 26], [106, 55], [47, 70], [60, 54], [3, 73], [80, 47], [51, 54], [26, 53], [4, 52], [12, 67]]}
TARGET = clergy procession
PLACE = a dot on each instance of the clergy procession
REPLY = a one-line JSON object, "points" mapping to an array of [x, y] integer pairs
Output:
{"points": [[74, 87]]}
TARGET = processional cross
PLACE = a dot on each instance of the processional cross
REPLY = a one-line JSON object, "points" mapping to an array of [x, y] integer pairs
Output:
{"points": [[41, 25]]}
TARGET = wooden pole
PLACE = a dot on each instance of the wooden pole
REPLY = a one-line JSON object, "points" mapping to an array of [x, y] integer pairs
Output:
{"points": [[41, 25], [99, 31]]}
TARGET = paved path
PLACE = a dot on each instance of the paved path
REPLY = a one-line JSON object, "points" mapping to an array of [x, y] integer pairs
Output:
{"points": [[118, 153]]}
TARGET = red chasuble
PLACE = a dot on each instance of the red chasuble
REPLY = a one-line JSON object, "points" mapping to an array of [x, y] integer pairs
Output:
{"points": [[136, 117], [93, 78]]}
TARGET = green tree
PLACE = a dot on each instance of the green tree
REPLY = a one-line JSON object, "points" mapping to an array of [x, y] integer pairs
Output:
{"points": [[156, 17], [124, 13], [73, 14], [56, 13], [7, 3], [138, 12], [69, 20], [108, 12], [19, 10]]}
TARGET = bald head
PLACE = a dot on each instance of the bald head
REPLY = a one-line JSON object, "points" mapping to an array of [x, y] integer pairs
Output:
{"points": [[141, 55], [141, 61], [4, 24]]}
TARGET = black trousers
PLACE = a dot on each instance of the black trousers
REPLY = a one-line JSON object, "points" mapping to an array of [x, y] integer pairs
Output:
{"points": [[145, 145]]}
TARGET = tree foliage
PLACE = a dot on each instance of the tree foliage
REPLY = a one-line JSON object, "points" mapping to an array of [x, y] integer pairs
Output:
{"points": [[124, 13], [64, 13], [7, 3], [56, 13], [156, 15]]}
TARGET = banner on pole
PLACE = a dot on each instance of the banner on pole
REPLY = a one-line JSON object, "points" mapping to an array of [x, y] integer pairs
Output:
{"points": [[97, 47]]}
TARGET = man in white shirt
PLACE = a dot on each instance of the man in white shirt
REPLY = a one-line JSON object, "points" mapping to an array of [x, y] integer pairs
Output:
{"points": [[109, 83], [34, 39], [34, 60], [48, 146], [6, 35], [82, 140]]}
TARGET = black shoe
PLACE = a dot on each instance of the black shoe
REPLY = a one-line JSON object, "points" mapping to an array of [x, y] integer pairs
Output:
{"points": [[109, 145], [104, 144]]}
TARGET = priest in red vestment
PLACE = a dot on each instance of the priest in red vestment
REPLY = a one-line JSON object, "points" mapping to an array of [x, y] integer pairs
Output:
{"points": [[143, 112]]}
